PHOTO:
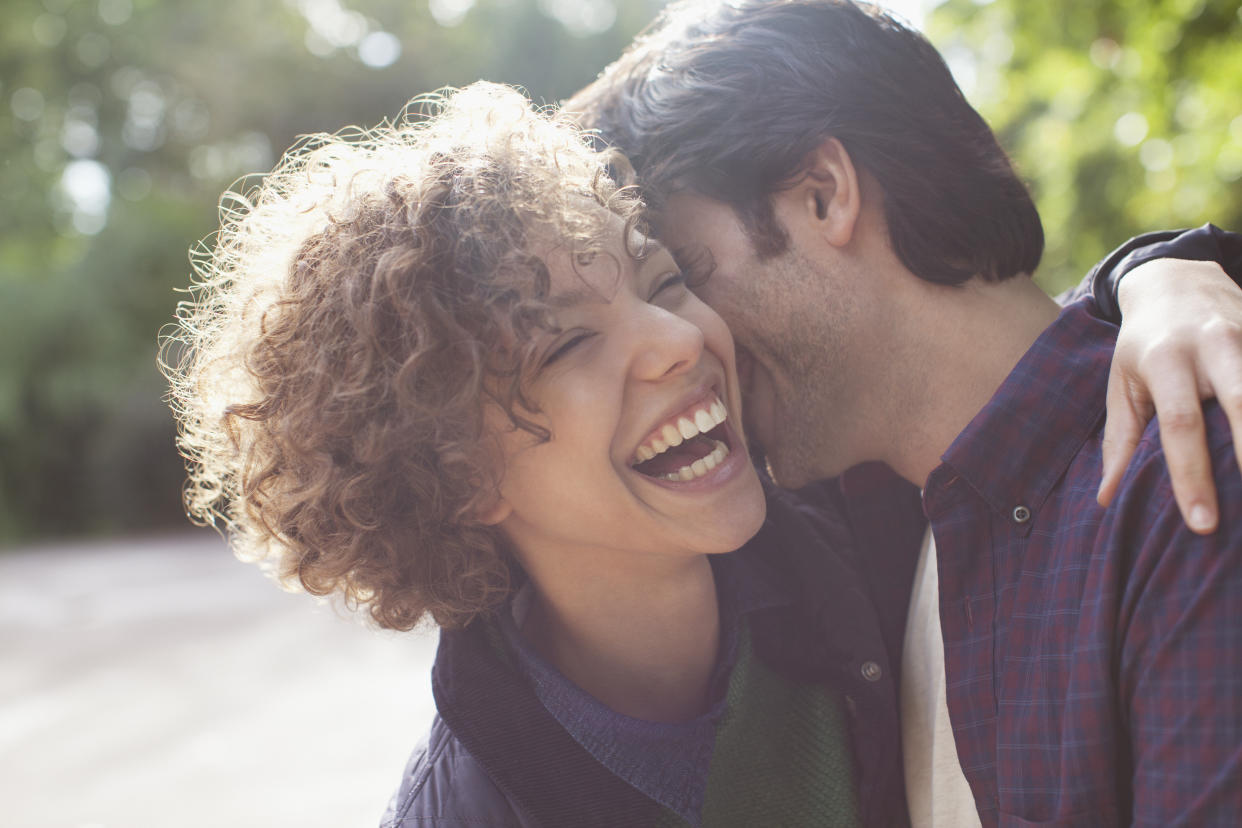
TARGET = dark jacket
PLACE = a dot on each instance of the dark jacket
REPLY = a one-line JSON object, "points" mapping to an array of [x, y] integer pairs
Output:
{"points": [[444, 785], [496, 757]]}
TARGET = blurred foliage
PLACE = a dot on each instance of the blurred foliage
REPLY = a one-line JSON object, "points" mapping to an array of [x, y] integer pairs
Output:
{"points": [[1123, 115], [121, 122]]}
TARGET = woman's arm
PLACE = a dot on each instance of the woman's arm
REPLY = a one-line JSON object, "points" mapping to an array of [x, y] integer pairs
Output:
{"points": [[1180, 309]]}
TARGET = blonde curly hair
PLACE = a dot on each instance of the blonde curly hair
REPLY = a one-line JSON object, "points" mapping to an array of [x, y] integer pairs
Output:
{"points": [[347, 325]]}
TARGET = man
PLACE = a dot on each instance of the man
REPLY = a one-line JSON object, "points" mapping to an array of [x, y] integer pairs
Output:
{"points": [[870, 245]]}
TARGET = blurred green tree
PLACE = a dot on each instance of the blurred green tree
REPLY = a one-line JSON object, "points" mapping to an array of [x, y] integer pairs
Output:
{"points": [[1124, 115], [121, 122]]}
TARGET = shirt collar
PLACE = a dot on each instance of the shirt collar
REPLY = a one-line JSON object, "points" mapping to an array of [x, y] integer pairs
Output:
{"points": [[1020, 444], [668, 763]]}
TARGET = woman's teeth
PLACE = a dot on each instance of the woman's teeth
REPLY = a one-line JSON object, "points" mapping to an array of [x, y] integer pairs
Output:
{"points": [[685, 427], [700, 467]]}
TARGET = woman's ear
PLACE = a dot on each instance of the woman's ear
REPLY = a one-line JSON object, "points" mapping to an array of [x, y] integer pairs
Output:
{"points": [[827, 199], [492, 510], [489, 506]]}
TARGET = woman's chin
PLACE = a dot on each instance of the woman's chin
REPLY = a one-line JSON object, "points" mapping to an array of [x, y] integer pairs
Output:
{"points": [[745, 517]]}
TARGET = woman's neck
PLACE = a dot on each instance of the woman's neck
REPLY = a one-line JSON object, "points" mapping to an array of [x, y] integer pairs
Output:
{"points": [[643, 643]]}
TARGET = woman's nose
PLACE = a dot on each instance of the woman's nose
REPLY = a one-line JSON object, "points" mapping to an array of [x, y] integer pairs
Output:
{"points": [[666, 345]]}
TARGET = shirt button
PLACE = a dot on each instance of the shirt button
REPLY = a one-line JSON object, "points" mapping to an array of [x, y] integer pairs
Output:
{"points": [[1021, 514], [871, 671]]}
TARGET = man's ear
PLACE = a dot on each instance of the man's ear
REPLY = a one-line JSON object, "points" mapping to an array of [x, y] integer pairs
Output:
{"points": [[828, 195]]}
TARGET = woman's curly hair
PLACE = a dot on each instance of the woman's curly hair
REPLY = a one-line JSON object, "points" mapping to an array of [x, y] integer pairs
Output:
{"points": [[347, 326]]}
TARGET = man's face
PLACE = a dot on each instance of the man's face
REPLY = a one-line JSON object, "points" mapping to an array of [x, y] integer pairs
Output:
{"points": [[793, 320]]}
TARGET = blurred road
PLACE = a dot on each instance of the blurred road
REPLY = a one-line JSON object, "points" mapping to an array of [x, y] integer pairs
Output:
{"points": [[160, 682]]}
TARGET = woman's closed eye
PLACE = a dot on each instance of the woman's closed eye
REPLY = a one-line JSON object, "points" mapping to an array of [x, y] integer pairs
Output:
{"points": [[672, 280], [559, 350]]}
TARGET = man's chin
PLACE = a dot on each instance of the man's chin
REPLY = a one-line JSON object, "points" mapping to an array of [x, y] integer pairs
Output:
{"points": [[785, 469]]}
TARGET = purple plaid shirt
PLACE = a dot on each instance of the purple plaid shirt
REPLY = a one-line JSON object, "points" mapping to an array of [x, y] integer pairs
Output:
{"points": [[1093, 657]]}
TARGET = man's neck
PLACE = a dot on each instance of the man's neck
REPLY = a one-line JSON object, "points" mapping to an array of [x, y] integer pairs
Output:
{"points": [[642, 640], [960, 345]]}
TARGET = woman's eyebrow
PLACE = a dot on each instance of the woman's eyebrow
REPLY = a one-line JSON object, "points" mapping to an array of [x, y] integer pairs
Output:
{"points": [[573, 298]]}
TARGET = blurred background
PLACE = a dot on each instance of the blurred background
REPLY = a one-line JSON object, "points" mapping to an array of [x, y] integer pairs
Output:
{"points": [[122, 121]]}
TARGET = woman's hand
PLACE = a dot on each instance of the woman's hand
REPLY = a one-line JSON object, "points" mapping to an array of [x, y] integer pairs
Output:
{"points": [[1180, 344]]}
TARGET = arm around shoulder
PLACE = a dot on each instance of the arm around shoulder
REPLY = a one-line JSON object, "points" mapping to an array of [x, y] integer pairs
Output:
{"points": [[1207, 243], [1180, 342]]}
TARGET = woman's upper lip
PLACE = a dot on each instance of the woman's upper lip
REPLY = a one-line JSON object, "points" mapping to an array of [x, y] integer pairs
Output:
{"points": [[709, 387]]}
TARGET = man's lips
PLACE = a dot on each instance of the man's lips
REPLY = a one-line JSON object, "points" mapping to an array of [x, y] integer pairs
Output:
{"points": [[745, 367], [748, 370]]}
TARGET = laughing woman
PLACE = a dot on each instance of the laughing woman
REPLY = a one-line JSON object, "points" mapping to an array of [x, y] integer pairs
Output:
{"points": [[438, 369]]}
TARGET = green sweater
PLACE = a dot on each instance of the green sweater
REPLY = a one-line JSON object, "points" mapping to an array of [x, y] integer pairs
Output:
{"points": [[782, 755]]}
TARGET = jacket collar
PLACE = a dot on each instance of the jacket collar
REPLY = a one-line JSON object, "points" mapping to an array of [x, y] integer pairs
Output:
{"points": [[830, 629], [541, 769]]}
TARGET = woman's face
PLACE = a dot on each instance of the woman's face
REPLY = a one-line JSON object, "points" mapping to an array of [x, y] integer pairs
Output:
{"points": [[639, 390]]}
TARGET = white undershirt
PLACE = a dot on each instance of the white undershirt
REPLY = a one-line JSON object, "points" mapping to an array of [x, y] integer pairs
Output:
{"points": [[936, 788]]}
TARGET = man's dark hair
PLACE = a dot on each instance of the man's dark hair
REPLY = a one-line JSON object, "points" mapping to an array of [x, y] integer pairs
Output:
{"points": [[727, 99]]}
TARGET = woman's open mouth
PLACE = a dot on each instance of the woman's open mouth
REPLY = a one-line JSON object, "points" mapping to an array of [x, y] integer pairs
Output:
{"points": [[689, 445]]}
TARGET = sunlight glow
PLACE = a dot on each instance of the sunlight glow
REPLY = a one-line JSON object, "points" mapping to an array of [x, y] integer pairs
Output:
{"points": [[88, 186], [379, 49], [450, 13]]}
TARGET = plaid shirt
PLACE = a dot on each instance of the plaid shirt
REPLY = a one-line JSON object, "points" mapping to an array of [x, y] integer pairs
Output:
{"points": [[1093, 657]]}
